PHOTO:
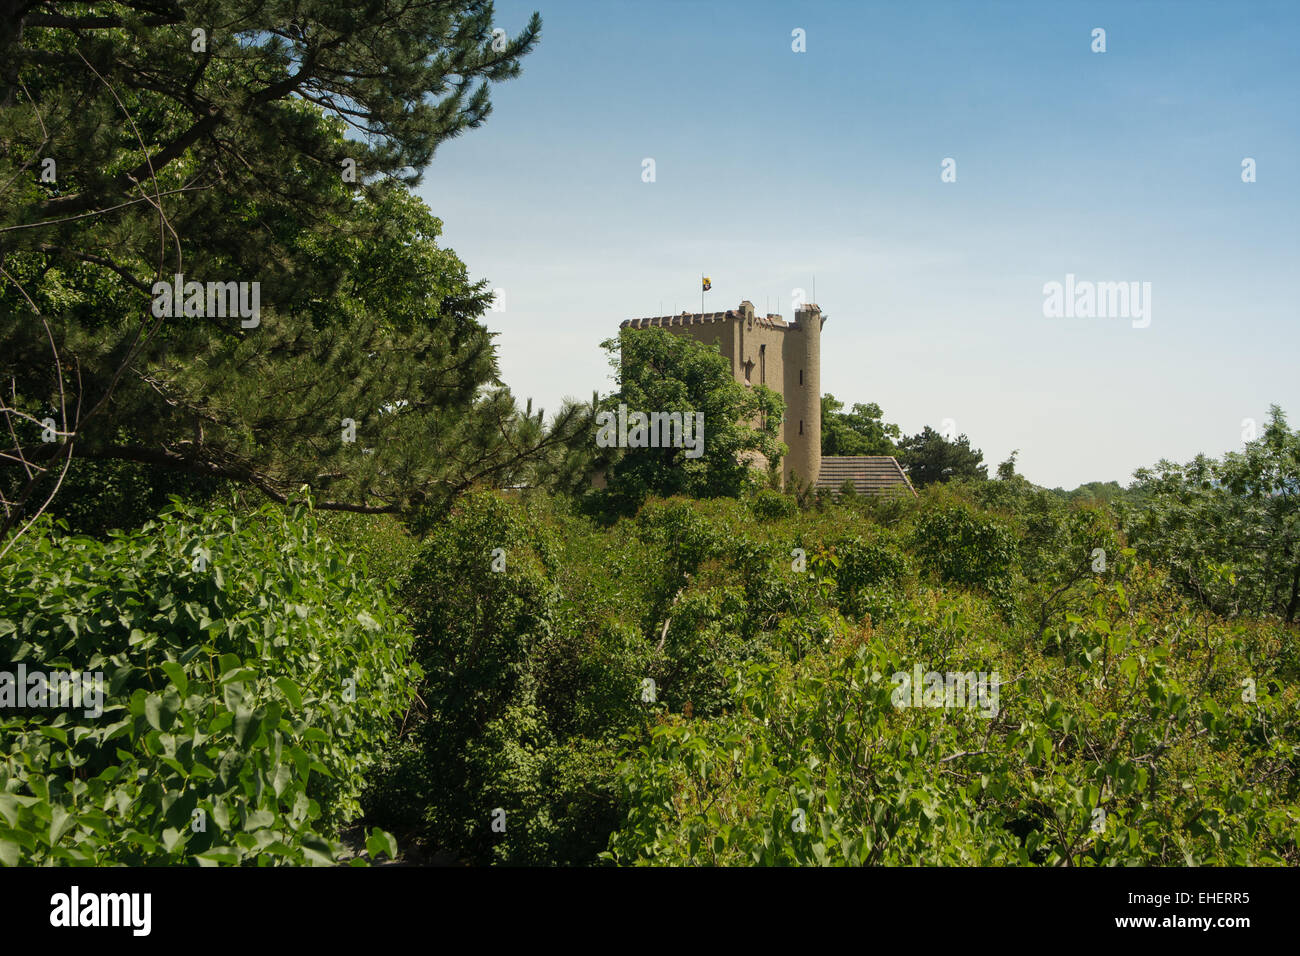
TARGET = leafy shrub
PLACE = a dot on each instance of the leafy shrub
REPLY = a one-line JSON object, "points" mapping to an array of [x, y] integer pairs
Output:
{"points": [[1229, 530], [867, 571], [102, 495], [964, 547], [251, 672], [382, 541], [1129, 748], [686, 535], [771, 505], [481, 602]]}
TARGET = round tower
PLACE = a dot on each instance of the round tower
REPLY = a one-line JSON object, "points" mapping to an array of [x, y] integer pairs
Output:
{"points": [[803, 395]]}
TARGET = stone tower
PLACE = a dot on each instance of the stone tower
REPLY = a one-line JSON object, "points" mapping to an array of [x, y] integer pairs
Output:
{"points": [[766, 350], [803, 391]]}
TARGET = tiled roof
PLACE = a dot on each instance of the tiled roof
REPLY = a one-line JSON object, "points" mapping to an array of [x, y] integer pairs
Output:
{"points": [[870, 474]]}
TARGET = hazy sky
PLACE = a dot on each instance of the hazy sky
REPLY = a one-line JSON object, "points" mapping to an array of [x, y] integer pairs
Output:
{"points": [[773, 166]]}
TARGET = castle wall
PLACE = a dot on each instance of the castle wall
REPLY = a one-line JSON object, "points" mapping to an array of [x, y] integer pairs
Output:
{"points": [[761, 360]]}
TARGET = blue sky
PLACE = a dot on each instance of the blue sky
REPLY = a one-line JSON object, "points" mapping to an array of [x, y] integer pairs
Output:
{"points": [[772, 167]]}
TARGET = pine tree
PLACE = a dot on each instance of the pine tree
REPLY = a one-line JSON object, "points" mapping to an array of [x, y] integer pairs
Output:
{"points": [[929, 457], [235, 141]]}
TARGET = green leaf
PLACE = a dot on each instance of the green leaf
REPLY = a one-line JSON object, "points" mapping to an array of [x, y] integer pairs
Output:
{"points": [[281, 780], [290, 690], [60, 823], [160, 710], [246, 725], [9, 808], [318, 850], [228, 855], [259, 819], [381, 842], [10, 852], [176, 673], [56, 733], [172, 838]]}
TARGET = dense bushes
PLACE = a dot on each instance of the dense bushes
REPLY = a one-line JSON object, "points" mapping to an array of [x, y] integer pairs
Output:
{"points": [[382, 542], [480, 772], [250, 672], [768, 505], [99, 496], [768, 645], [1229, 529], [964, 547], [672, 687], [868, 575], [1130, 739]]}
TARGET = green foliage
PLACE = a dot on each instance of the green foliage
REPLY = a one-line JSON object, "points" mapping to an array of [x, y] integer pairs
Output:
{"points": [[506, 696], [1007, 469], [251, 671], [964, 547], [364, 316], [1133, 729], [102, 496], [929, 458], [770, 505], [658, 371], [1229, 530], [1108, 492], [468, 749], [381, 542], [1111, 746], [868, 574], [861, 431], [672, 686], [567, 463]]}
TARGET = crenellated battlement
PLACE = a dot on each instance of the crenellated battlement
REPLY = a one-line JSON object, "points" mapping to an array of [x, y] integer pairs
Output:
{"points": [[745, 311]]}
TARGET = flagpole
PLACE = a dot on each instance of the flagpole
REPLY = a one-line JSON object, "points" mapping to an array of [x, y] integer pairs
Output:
{"points": [[701, 293]]}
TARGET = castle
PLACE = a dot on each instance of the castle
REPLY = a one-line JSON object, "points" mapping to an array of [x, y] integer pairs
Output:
{"points": [[766, 350], [786, 357]]}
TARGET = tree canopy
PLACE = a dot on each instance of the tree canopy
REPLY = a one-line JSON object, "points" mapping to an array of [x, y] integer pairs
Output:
{"points": [[1229, 529], [929, 457], [266, 146], [860, 431], [658, 372]]}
